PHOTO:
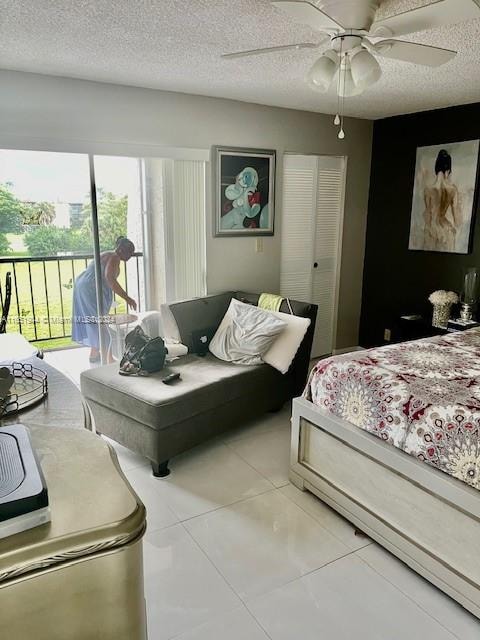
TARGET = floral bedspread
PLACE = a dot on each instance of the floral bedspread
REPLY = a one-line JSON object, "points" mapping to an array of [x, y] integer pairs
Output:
{"points": [[422, 397]]}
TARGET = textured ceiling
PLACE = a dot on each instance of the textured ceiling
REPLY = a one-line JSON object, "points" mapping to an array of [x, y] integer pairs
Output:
{"points": [[176, 45]]}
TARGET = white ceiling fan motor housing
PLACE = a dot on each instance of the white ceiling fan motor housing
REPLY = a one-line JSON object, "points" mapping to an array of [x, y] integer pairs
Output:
{"points": [[347, 41], [352, 14]]}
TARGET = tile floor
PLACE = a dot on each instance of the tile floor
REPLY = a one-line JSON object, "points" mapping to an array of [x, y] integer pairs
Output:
{"points": [[70, 361], [233, 551]]}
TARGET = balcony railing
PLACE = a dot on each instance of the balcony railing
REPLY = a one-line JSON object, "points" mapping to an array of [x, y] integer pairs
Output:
{"points": [[42, 293]]}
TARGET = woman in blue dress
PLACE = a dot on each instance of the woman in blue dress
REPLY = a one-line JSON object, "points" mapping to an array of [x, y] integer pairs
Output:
{"points": [[84, 325]]}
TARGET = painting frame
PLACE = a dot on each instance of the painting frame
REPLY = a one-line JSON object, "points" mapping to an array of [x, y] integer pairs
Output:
{"points": [[226, 164], [463, 158]]}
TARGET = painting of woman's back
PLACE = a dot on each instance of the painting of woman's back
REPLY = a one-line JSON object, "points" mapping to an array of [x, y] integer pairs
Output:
{"points": [[443, 197]]}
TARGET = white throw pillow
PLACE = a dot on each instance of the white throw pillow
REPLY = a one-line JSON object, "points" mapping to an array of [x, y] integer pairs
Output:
{"points": [[150, 322], [284, 349], [170, 332], [245, 334]]}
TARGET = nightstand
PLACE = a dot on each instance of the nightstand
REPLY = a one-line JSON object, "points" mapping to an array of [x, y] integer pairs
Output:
{"points": [[414, 328]]}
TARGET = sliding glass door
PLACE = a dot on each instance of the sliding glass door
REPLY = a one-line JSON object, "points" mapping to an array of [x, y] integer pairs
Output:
{"points": [[120, 207], [48, 241], [45, 240], [61, 216]]}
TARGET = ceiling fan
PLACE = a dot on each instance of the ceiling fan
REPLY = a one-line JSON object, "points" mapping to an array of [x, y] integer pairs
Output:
{"points": [[357, 38]]}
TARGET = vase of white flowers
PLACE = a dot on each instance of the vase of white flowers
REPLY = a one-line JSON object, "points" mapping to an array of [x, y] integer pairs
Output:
{"points": [[442, 303]]}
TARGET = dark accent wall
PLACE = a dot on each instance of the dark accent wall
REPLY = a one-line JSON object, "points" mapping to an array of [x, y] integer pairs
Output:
{"points": [[397, 281]]}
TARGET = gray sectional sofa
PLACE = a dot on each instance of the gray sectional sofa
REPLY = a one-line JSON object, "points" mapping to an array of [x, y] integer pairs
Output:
{"points": [[159, 421]]}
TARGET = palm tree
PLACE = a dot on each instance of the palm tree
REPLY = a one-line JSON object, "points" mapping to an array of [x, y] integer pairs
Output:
{"points": [[38, 213], [45, 213]]}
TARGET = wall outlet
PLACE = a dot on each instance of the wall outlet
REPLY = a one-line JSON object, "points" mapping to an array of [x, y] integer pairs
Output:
{"points": [[387, 335], [259, 245]]}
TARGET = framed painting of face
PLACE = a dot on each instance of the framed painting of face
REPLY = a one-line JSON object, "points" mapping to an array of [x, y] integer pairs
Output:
{"points": [[444, 197], [243, 191]]}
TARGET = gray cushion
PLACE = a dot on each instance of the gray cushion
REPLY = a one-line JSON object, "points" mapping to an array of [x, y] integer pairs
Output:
{"points": [[206, 383], [199, 314]]}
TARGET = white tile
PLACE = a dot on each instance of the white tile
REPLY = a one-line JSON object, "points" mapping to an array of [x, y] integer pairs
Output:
{"points": [[343, 601], [264, 542], [159, 514], [70, 361], [126, 458], [207, 478], [448, 612], [238, 625], [183, 589], [268, 453], [266, 422], [327, 517]]}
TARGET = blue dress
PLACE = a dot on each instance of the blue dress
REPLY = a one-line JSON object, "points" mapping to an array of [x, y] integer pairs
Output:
{"points": [[84, 326]]}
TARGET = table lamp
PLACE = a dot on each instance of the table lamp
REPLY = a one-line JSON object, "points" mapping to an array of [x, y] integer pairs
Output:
{"points": [[469, 296]]}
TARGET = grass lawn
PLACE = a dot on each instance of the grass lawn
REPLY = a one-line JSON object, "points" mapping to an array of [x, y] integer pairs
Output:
{"points": [[44, 310], [17, 244]]}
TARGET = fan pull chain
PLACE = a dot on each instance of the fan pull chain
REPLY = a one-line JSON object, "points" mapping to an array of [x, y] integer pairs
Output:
{"points": [[341, 133], [337, 120]]}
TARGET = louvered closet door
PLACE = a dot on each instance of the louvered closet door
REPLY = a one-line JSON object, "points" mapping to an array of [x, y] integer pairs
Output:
{"points": [[310, 256], [328, 222], [298, 226]]}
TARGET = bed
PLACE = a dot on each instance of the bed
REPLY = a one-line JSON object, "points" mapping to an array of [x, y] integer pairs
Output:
{"points": [[390, 438]]}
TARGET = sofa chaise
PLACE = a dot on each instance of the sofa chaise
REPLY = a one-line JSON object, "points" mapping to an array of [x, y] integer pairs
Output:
{"points": [[159, 421]]}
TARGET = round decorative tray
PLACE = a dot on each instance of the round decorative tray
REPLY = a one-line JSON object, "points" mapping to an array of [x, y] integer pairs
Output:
{"points": [[29, 387]]}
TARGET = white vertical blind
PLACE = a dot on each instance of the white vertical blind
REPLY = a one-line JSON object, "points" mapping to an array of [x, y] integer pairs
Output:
{"points": [[175, 201], [312, 219], [187, 221]]}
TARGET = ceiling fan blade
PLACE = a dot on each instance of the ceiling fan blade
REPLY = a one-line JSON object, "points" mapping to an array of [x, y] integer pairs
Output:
{"points": [[437, 14], [308, 14], [414, 53], [286, 47]]}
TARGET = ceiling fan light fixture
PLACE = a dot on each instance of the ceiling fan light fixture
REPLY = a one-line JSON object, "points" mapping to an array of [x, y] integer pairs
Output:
{"points": [[347, 87], [323, 71], [365, 69]]}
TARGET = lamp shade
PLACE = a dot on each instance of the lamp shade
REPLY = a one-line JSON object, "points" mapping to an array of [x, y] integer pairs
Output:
{"points": [[365, 69], [323, 71], [471, 286]]}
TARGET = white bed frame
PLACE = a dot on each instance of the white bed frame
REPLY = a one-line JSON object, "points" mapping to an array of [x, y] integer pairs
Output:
{"points": [[423, 516]]}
